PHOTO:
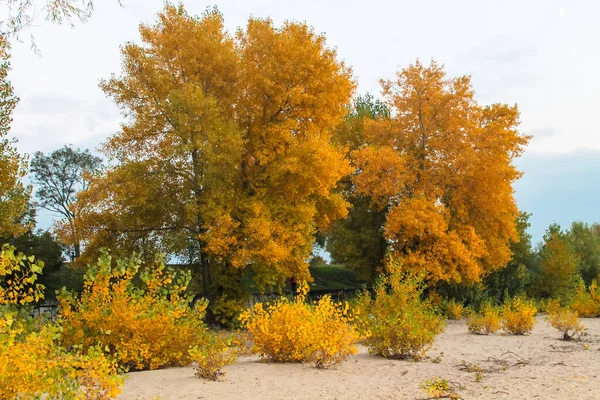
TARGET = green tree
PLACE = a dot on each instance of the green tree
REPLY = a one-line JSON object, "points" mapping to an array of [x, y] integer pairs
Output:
{"points": [[59, 177], [357, 242], [516, 276], [41, 244], [584, 239], [557, 264], [14, 195]]}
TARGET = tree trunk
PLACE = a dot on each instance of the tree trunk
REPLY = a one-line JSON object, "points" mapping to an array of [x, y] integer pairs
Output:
{"points": [[207, 290], [77, 250], [206, 286]]}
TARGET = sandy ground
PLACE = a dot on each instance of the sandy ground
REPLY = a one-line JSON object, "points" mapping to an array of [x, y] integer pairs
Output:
{"points": [[537, 366]]}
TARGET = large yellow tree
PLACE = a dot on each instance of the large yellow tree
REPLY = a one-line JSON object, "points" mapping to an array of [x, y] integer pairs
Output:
{"points": [[441, 166], [225, 153]]}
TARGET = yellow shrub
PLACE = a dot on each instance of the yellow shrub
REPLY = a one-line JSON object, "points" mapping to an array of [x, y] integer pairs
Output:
{"points": [[586, 301], [32, 364], [518, 316], [295, 331], [147, 326], [454, 310], [485, 322], [438, 388], [212, 356], [566, 321], [396, 322]]}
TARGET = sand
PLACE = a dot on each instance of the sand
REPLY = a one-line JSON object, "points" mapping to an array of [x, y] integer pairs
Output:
{"points": [[537, 366]]}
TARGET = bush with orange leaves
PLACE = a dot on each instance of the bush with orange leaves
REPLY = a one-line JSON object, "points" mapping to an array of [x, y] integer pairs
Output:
{"points": [[453, 309], [397, 322], [586, 300], [565, 320], [145, 326], [518, 316], [32, 363], [486, 321], [297, 330], [217, 352]]}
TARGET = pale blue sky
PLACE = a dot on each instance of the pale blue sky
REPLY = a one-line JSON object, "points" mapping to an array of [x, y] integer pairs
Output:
{"points": [[543, 55]]}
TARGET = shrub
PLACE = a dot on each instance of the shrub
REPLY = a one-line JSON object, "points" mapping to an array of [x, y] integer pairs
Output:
{"points": [[438, 388], [586, 301], [297, 330], [397, 322], [32, 364], [485, 322], [147, 326], [454, 310], [518, 316], [565, 320], [212, 356]]}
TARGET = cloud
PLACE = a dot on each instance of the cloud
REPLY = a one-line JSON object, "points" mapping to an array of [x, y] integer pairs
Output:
{"points": [[47, 122], [47, 104], [543, 133]]}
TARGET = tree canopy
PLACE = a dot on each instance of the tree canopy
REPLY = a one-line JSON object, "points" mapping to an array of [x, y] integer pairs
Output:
{"points": [[226, 146], [59, 176], [441, 166]]}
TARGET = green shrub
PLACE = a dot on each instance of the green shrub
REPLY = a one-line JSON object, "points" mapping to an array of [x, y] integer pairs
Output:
{"points": [[397, 322]]}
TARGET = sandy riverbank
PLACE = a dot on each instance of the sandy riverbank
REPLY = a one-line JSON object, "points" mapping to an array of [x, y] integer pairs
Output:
{"points": [[537, 366]]}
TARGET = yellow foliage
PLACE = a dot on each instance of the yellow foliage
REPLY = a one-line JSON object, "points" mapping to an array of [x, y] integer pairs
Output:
{"points": [[485, 322], [518, 316], [454, 310], [145, 327], [14, 194], [243, 166], [397, 323], [442, 166], [212, 356], [438, 388], [565, 320], [297, 331], [32, 364], [586, 301]]}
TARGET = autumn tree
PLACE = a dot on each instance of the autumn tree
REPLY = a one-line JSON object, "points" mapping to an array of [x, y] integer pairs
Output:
{"points": [[442, 168], [14, 195], [226, 147], [59, 176]]}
